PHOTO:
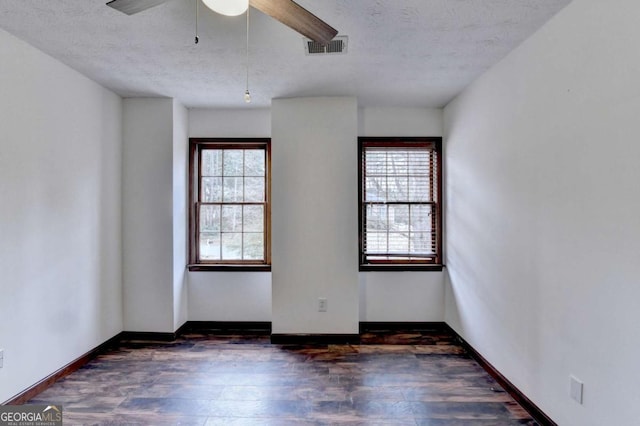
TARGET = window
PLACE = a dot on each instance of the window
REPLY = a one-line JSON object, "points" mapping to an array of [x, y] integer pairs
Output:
{"points": [[400, 190], [229, 204]]}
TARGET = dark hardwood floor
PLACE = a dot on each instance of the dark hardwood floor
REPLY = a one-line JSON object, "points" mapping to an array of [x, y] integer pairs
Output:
{"points": [[391, 378]]}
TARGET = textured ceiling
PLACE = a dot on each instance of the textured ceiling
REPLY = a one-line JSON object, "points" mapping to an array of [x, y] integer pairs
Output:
{"points": [[413, 53]]}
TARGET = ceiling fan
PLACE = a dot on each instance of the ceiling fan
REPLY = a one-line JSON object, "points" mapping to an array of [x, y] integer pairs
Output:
{"points": [[288, 12]]}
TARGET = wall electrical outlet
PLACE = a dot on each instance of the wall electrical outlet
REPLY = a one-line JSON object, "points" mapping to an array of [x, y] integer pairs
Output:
{"points": [[322, 304], [1, 357], [575, 390]]}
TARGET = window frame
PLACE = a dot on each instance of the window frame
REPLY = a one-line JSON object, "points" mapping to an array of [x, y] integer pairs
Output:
{"points": [[196, 145], [400, 265]]}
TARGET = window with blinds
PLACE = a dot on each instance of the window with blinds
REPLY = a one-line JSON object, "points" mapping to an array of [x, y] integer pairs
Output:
{"points": [[229, 203], [400, 192]]}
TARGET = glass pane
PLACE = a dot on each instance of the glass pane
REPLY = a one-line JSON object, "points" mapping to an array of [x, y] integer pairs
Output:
{"points": [[253, 246], [211, 162], [376, 188], [419, 188], [233, 162], [254, 189], [377, 218], [231, 219], [376, 163], [398, 218], [419, 162], [398, 242], [254, 162], [253, 219], [233, 189], [421, 219], [421, 243], [376, 242], [398, 188], [209, 246], [397, 163], [209, 218], [232, 246], [211, 190]]}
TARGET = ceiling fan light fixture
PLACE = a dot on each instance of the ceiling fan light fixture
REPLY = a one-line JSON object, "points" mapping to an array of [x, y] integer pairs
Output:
{"points": [[228, 7]]}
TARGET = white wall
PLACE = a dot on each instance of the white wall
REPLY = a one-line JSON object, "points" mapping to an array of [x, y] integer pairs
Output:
{"points": [[60, 163], [230, 123], [543, 217], [384, 296], [410, 296], [230, 296], [180, 173], [394, 121], [314, 215], [148, 280]]}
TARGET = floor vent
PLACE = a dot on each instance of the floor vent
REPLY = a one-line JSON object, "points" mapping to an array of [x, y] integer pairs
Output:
{"points": [[337, 46]]}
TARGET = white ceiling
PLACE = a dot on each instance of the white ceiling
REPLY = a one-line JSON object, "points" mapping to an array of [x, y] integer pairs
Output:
{"points": [[411, 53]]}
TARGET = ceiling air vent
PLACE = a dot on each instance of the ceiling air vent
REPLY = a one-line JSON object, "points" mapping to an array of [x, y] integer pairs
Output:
{"points": [[336, 46]]}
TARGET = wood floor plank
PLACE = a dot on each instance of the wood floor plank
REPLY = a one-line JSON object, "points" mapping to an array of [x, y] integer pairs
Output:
{"points": [[407, 378]]}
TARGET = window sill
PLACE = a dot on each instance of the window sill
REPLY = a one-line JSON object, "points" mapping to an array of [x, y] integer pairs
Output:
{"points": [[203, 267], [401, 267]]}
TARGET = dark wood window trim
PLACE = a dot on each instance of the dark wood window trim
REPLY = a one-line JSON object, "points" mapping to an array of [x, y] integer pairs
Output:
{"points": [[430, 264], [195, 146]]}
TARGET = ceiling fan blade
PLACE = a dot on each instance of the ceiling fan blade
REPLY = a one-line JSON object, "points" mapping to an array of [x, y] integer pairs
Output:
{"points": [[134, 6], [298, 18]]}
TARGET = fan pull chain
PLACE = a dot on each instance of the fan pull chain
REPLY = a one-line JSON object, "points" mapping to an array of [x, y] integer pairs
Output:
{"points": [[197, 39], [247, 95]]}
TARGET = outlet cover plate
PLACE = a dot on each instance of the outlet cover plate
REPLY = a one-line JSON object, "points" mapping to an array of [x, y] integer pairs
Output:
{"points": [[322, 304], [576, 389]]}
